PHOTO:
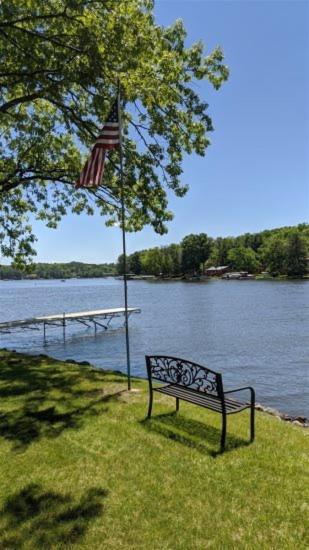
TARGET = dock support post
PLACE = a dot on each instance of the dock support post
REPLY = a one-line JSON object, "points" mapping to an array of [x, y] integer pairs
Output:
{"points": [[63, 326], [44, 330]]}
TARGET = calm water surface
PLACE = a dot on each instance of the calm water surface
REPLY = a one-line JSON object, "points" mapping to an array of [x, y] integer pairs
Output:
{"points": [[254, 332]]}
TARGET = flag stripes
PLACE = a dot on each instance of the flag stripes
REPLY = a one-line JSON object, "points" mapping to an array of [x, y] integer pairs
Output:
{"points": [[108, 139]]}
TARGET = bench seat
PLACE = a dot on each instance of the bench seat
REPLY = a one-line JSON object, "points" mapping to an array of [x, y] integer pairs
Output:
{"points": [[204, 400]]}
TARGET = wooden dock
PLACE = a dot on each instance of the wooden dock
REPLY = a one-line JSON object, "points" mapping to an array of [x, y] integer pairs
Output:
{"points": [[96, 318]]}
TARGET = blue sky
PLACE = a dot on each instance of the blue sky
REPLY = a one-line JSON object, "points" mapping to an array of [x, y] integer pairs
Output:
{"points": [[255, 174]]}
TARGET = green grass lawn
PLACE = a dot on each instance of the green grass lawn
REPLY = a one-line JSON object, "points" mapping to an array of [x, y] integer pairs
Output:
{"points": [[80, 467]]}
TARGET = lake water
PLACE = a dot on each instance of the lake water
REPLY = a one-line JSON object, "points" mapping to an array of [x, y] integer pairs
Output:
{"points": [[254, 332]]}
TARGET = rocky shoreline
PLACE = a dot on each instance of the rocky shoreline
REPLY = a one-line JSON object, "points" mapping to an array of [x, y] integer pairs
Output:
{"points": [[297, 420]]}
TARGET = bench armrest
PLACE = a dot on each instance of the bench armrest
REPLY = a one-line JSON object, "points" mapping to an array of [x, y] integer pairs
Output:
{"points": [[244, 388], [240, 389]]}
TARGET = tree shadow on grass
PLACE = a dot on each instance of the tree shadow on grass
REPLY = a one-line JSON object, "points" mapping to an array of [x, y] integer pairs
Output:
{"points": [[192, 433], [42, 400], [37, 518]]}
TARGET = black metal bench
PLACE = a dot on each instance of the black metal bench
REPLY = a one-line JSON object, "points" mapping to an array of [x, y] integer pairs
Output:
{"points": [[196, 384]]}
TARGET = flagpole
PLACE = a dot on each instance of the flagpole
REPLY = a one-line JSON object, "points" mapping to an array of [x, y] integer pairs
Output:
{"points": [[124, 244]]}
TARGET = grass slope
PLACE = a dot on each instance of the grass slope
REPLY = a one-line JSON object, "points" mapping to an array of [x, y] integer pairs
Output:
{"points": [[80, 467]]}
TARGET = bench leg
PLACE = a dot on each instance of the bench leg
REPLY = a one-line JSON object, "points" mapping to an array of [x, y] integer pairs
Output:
{"points": [[252, 423], [177, 404], [150, 404], [223, 434]]}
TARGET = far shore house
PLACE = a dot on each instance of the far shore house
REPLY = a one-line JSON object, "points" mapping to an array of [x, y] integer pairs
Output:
{"points": [[216, 271]]}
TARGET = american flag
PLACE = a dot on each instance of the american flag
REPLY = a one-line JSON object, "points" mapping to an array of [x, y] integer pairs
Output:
{"points": [[109, 138]]}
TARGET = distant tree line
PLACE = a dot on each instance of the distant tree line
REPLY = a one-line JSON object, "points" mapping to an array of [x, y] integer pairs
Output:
{"points": [[58, 271], [282, 251]]}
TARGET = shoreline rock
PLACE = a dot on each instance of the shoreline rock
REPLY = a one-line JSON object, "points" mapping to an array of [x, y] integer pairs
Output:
{"points": [[297, 420]]}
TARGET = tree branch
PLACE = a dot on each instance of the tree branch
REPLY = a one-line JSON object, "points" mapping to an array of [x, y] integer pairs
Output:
{"points": [[22, 99], [63, 14], [51, 39]]}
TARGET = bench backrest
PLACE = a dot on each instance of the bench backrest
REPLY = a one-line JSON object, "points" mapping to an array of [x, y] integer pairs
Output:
{"points": [[174, 370]]}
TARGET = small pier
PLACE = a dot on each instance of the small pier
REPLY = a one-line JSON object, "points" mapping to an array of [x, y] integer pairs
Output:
{"points": [[99, 318]]}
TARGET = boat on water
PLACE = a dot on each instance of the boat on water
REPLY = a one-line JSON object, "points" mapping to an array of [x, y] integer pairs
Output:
{"points": [[238, 276]]}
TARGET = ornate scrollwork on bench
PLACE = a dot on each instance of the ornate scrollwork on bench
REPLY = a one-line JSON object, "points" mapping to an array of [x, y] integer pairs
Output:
{"points": [[184, 373]]}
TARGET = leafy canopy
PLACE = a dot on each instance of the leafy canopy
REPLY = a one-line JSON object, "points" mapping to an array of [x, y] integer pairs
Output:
{"points": [[60, 60], [241, 258], [195, 251]]}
